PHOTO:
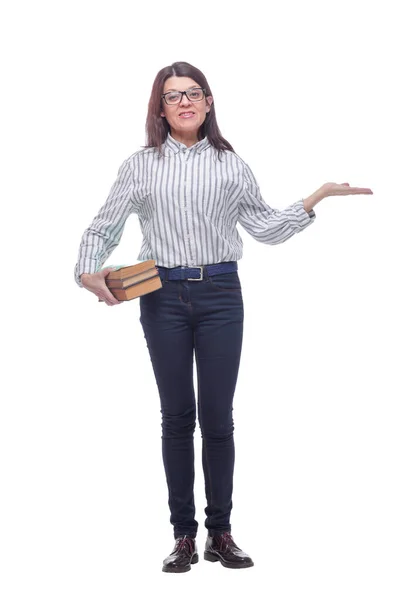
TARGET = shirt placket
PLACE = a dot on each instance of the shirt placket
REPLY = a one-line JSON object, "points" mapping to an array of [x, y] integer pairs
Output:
{"points": [[187, 158]]}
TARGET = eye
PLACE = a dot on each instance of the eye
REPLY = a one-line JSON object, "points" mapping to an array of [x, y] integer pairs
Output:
{"points": [[194, 94], [172, 97]]}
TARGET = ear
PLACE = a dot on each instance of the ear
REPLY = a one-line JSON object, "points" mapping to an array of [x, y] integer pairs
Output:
{"points": [[162, 114]]}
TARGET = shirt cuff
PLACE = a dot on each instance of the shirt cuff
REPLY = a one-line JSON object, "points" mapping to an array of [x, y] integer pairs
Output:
{"points": [[302, 217], [88, 266]]}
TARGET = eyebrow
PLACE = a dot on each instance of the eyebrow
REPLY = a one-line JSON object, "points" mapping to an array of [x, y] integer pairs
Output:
{"points": [[174, 90]]}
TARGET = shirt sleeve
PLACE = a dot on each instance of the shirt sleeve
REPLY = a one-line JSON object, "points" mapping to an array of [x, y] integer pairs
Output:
{"points": [[269, 225], [104, 233]]}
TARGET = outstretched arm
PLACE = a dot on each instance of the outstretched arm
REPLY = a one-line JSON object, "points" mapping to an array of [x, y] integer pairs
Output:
{"points": [[270, 225]]}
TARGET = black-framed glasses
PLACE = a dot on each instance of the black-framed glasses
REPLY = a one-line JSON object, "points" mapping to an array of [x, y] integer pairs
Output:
{"points": [[194, 95]]}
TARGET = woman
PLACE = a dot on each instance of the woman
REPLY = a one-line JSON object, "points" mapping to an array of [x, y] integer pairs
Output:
{"points": [[190, 189]]}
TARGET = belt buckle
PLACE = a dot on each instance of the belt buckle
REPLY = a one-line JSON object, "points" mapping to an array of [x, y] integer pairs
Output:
{"points": [[196, 278]]}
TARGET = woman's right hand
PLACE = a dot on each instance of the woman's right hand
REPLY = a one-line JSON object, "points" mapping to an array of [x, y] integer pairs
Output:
{"points": [[95, 283]]}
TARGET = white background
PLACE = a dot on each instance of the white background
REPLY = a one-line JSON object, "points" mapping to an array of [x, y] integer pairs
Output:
{"points": [[306, 93]]}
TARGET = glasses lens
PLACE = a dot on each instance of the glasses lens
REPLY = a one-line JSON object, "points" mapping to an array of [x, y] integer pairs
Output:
{"points": [[194, 95], [172, 98]]}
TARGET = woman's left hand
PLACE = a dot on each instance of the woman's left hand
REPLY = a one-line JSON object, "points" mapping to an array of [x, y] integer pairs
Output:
{"points": [[332, 189], [343, 189]]}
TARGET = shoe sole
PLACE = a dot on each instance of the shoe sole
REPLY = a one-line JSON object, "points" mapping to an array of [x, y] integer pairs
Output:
{"points": [[195, 559], [213, 558]]}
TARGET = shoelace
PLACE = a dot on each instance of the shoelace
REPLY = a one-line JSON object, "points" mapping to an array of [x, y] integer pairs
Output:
{"points": [[185, 543], [227, 539]]}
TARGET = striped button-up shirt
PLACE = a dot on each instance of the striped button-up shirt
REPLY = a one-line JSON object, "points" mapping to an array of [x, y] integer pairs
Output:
{"points": [[188, 203]]}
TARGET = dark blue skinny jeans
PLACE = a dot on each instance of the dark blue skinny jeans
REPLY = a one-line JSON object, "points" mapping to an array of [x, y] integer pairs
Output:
{"points": [[204, 318]]}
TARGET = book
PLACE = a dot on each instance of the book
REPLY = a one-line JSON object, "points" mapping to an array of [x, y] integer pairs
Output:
{"points": [[127, 282], [137, 289]]}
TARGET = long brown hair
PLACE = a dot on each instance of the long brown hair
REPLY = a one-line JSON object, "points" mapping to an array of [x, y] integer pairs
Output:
{"points": [[157, 127]]}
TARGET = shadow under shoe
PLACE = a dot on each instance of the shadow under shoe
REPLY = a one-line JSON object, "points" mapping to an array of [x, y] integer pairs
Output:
{"points": [[182, 556], [222, 548]]}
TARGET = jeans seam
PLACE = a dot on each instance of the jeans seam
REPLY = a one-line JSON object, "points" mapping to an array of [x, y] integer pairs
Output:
{"points": [[217, 287], [228, 289]]}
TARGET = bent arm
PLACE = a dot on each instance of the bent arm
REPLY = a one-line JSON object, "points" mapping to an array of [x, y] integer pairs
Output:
{"points": [[269, 225]]}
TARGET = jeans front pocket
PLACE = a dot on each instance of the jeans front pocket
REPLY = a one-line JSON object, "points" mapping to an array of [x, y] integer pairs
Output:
{"points": [[226, 281]]}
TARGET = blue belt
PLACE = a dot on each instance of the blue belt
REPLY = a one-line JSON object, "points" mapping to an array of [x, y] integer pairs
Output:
{"points": [[196, 273]]}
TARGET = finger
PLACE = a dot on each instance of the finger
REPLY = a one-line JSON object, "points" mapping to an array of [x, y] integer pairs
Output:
{"points": [[106, 295], [357, 190], [109, 301], [104, 298], [346, 190], [112, 302], [112, 299]]}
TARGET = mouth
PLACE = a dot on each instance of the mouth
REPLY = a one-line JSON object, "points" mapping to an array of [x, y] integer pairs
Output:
{"points": [[186, 115]]}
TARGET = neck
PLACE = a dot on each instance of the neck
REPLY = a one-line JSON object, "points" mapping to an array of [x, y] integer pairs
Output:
{"points": [[189, 139]]}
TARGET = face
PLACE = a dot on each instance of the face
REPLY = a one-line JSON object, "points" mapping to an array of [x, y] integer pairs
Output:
{"points": [[184, 124]]}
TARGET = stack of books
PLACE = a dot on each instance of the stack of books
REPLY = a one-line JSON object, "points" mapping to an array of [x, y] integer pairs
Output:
{"points": [[131, 281]]}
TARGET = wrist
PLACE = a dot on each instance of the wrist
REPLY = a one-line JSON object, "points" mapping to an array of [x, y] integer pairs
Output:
{"points": [[312, 200]]}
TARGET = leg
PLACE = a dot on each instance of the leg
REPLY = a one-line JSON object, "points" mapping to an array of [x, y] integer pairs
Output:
{"points": [[218, 343], [169, 336]]}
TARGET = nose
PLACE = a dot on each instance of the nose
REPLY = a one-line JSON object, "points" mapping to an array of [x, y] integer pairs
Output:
{"points": [[185, 100]]}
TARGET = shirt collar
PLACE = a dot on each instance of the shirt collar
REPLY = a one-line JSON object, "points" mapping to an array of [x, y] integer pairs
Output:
{"points": [[175, 146]]}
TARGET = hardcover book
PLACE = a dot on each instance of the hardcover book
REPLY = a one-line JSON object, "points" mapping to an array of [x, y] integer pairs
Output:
{"points": [[127, 282]]}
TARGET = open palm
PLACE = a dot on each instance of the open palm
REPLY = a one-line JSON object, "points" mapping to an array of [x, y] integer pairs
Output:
{"points": [[343, 189]]}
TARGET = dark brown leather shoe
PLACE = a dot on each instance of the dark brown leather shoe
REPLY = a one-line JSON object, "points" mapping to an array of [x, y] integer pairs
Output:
{"points": [[222, 547], [182, 556]]}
